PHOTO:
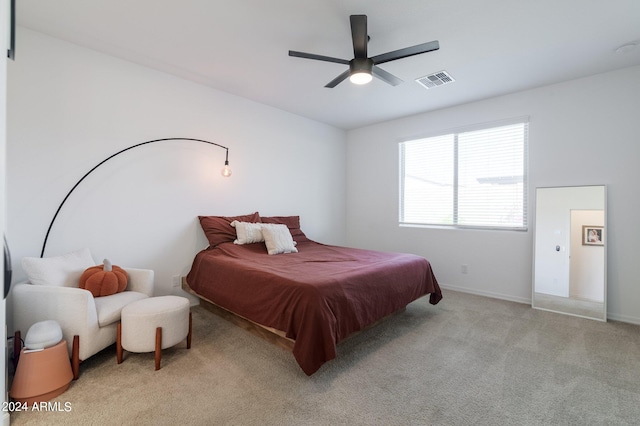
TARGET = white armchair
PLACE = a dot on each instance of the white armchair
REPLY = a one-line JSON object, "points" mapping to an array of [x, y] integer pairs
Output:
{"points": [[88, 324]]}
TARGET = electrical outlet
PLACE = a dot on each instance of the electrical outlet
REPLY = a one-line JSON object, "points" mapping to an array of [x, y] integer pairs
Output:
{"points": [[176, 280], [464, 269]]}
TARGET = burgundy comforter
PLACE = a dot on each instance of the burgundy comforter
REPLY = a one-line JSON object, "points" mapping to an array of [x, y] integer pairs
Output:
{"points": [[317, 296]]}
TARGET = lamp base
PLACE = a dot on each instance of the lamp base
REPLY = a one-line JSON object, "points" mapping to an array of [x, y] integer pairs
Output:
{"points": [[42, 375], [42, 398]]}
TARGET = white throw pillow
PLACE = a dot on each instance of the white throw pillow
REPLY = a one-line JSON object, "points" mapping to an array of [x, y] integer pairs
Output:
{"points": [[59, 271], [278, 239], [247, 232]]}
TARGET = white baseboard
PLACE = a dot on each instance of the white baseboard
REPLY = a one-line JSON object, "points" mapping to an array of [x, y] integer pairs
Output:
{"points": [[526, 301], [193, 300], [623, 318]]}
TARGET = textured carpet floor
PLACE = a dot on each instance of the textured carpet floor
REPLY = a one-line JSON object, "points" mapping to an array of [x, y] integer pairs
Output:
{"points": [[468, 361]]}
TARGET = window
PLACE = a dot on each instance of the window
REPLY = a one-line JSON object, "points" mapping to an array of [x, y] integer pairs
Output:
{"points": [[475, 178]]}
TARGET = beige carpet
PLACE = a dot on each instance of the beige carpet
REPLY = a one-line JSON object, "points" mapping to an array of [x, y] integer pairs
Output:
{"points": [[467, 361]]}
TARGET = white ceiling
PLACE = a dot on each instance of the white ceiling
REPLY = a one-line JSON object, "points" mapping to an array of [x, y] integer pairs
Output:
{"points": [[490, 47]]}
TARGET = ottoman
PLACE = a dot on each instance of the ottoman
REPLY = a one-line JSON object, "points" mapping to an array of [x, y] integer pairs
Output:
{"points": [[153, 324]]}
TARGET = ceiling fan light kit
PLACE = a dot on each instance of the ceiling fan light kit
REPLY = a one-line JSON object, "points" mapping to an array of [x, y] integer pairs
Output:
{"points": [[362, 68]]}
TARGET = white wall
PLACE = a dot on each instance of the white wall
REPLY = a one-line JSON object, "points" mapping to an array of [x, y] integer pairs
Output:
{"points": [[582, 132], [70, 108], [553, 229], [587, 265], [4, 25]]}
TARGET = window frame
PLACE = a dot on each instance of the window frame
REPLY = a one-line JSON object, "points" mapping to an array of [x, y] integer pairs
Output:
{"points": [[455, 133]]}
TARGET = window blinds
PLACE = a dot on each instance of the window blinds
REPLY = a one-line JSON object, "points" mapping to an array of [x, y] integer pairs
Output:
{"points": [[474, 178]]}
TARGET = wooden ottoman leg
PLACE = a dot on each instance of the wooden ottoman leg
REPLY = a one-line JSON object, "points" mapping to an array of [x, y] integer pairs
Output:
{"points": [[75, 357], [189, 335], [119, 344], [158, 347]]}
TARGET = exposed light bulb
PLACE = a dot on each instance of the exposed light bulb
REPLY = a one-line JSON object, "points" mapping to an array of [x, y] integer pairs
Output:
{"points": [[226, 170], [360, 78]]}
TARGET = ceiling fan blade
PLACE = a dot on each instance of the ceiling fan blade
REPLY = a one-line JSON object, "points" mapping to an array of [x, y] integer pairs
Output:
{"points": [[339, 79], [359, 35], [406, 52], [386, 76], [318, 57]]}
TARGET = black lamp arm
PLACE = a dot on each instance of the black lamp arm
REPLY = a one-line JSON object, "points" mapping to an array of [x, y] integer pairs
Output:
{"points": [[44, 244]]}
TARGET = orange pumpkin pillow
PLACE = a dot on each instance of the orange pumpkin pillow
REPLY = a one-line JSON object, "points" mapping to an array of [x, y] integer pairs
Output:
{"points": [[104, 280]]}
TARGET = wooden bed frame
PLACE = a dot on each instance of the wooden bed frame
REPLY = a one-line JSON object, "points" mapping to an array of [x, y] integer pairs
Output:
{"points": [[270, 334], [275, 336]]}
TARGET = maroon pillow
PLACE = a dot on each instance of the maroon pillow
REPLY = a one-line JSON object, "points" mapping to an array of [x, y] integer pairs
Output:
{"points": [[218, 229], [292, 222]]}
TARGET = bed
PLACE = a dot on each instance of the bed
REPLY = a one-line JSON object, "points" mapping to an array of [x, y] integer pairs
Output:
{"points": [[315, 295]]}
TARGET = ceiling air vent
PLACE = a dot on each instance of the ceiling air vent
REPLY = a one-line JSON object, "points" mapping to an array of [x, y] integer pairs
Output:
{"points": [[436, 79]]}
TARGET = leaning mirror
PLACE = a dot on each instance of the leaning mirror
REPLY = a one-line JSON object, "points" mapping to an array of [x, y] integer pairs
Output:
{"points": [[570, 251]]}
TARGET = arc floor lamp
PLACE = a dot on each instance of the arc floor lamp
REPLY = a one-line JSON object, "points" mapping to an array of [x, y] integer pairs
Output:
{"points": [[226, 172]]}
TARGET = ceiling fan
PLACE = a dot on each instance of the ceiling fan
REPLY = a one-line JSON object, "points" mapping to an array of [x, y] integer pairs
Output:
{"points": [[361, 67]]}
